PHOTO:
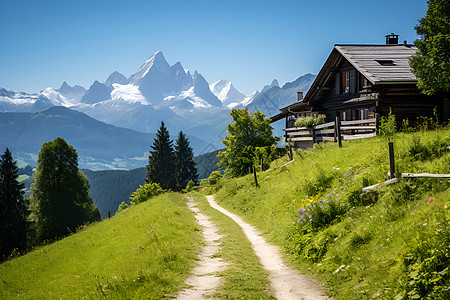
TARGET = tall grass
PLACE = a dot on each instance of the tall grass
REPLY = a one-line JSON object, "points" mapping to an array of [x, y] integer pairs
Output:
{"points": [[146, 251], [389, 243]]}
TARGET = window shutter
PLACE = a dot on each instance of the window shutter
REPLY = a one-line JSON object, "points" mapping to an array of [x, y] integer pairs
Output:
{"points": [[338, 83], [352, 80]]}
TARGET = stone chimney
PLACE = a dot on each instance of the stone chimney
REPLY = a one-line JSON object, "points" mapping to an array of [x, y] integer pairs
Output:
{"points": [[299, 96]]}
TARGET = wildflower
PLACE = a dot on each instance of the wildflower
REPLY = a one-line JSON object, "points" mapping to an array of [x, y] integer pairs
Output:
{"points": [[431, 200], [329, 195], [310, 216], [301, 222], [303, 216], [302, 209]]}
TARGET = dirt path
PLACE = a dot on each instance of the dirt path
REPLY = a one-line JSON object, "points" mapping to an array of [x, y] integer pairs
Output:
{"points": [[203, 281], [286, 281]]}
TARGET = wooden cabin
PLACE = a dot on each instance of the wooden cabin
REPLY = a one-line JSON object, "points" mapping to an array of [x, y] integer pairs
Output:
{"points": [[357, 81]]}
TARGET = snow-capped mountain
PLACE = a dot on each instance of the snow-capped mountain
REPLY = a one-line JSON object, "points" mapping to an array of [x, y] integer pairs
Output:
{"points": [[11, 101], [273, 97], [116, 77], [226, 92], [159, 92], [71, 93], [96, 93]]}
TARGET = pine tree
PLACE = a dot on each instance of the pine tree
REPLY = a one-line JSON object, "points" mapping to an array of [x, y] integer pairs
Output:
{"points": [[13, 211], [185, 169], [60, 200], [161, 167]]}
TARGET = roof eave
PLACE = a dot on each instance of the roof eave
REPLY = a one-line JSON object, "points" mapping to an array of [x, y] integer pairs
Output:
{"points": [[396, 81]]}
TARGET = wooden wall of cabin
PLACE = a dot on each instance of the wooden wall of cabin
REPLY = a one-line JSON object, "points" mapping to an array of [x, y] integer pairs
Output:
{"points": [[407, 102]]}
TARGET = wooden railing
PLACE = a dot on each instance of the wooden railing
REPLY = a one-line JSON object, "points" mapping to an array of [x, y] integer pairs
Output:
{"points": [[334, 131]]}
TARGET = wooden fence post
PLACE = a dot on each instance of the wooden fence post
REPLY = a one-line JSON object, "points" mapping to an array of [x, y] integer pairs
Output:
{"points": [[313, 133], [377, 122], [290, 149], [254, 173], [338, 131], [391, 160]]}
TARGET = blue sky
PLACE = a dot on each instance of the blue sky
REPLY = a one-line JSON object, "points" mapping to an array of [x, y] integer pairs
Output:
{"points": [[250, 43]]}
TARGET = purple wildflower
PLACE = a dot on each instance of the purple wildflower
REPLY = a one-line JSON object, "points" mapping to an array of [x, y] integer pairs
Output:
{"points": [[302, 209]]}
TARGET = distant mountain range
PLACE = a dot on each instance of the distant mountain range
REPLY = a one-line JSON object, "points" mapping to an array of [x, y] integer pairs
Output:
{"points": [[156, 92], [99, 145]]}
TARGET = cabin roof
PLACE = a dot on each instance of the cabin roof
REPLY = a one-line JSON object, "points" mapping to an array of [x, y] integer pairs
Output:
{"points": [[380, 63]]}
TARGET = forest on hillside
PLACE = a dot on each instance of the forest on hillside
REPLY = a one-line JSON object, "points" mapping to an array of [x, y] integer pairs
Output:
{"points": [[109, 188]]}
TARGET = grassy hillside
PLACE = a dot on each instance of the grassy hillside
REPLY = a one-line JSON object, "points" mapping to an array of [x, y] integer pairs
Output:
{"points": [[109, 188], [146, 251], [392, 243]]}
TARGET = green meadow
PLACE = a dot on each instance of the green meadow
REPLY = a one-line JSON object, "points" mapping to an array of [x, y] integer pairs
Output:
{"points": [[146, 251]]}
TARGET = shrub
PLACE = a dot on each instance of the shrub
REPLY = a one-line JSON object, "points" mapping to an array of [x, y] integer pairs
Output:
{"points": [[310, 121], [353, 195], [369, 197], [423, 151], [145, 192], [319, 182], [190, 186], [321, 213], [214, 177], [122, 206], [400, 192], [388, 125]]}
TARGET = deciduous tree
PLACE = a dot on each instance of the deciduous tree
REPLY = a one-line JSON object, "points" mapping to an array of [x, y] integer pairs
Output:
{"points": [[250, 136], [60, 200], [431, 65]]}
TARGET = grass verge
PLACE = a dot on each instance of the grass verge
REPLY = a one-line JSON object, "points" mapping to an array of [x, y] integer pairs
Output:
{"points": [[146, 251], [245, 278], [392, 243]]}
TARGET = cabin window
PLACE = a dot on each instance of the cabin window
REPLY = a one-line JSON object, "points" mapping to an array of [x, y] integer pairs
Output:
{"points": [[345, 82], [362, 81], [362, 114]]}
